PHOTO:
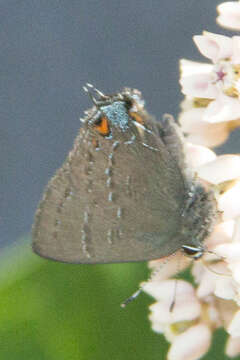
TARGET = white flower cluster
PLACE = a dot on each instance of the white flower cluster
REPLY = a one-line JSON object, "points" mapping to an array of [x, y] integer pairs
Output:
{"points": [[210, 111]]}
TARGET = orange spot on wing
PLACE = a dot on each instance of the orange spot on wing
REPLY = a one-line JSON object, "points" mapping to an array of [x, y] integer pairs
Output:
{"points": [[102, 126]]}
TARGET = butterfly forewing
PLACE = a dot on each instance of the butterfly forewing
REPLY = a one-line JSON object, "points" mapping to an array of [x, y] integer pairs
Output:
{"points": [[115, 199]]}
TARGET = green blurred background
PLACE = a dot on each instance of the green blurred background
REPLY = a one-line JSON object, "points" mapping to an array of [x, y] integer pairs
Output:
{"points": [[54, 311]]}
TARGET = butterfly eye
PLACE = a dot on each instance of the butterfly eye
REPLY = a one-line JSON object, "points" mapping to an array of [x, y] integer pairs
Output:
{"points": [[135, 116], [102, 126]]}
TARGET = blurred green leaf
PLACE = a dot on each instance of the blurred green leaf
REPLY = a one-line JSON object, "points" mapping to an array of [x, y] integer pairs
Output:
{"points": [[50, 310]]}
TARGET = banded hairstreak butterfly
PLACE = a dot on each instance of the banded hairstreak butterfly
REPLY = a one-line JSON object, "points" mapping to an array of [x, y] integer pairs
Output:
{"points": [[124, 192]]}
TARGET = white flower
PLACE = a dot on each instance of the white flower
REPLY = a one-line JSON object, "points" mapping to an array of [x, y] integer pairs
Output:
{"points": [[233, 346], [184, 324], [234, 326], [197, 337], [197, 130], [218, 82], [215, 171], [229, 15], [215, 302], [185, 315]]}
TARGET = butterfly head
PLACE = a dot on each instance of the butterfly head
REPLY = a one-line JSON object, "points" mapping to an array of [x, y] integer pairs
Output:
{"points": [[112, 113]]}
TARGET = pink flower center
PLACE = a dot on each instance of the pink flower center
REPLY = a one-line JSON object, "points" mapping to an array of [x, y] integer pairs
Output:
{"points": [[220, 75]]}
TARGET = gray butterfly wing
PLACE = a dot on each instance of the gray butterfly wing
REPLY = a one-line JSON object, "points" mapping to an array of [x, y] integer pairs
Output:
{"points": [[114, 200]]}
